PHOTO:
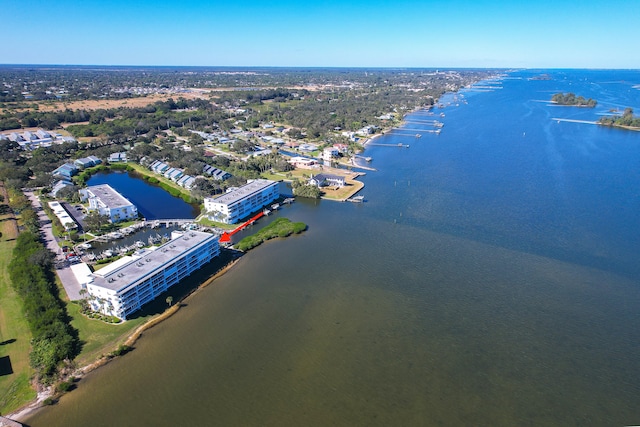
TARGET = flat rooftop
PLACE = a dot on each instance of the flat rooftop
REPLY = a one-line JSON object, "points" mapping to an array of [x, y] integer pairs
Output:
{"points": [[244, 191], [148, 261], [110, 197]]}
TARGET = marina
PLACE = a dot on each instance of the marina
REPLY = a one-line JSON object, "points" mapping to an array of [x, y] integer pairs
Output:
{"points": [[129, 239]]}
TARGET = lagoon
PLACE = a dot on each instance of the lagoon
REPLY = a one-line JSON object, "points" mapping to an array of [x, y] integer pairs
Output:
{"points": [[490, 279]]}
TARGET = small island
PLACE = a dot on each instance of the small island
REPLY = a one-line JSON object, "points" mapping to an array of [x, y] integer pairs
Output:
{"points": [[626, 121], [281, 227], [570, 99]]}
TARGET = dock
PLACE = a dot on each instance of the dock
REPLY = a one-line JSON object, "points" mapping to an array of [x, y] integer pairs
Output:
{"points": [[401, 145], [588, 122], [356, 199]]}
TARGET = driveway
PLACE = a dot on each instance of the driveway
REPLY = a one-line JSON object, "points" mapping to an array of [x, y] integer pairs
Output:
{"points": [[68, 279]]}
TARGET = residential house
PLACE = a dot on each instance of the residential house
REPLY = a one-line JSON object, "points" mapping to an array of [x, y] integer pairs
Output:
{"points": [[87, 162], [303, 162], [59, 185], [325, 180], [66, 171], [216, 173], [117, 157]]}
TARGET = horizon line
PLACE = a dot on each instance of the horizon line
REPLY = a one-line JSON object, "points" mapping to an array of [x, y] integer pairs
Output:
{"points": [[314, 67]]}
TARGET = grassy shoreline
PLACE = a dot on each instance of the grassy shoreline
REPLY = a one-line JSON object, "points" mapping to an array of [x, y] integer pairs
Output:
{"points": [[99, 352]]}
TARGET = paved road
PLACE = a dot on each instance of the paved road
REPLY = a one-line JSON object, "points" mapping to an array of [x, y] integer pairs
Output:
{"points": [[68, 279]]}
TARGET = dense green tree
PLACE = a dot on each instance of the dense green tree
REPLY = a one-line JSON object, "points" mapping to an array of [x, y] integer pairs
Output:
{"points": [[95, 221]]}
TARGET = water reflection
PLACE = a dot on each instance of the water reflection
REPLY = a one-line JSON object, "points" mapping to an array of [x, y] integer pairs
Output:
{"points": [[152, 201]]}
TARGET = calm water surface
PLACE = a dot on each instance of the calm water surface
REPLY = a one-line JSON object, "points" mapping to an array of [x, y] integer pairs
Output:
{"points": [[491, 279], [152, 201]]}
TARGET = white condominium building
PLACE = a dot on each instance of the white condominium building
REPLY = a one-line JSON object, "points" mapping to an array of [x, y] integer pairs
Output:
{"points": [[63, 216], [108, 201], [241, 202], [124, 286]]}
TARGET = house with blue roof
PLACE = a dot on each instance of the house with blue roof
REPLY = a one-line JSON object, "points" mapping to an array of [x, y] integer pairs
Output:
{"points": [[66, 171]]}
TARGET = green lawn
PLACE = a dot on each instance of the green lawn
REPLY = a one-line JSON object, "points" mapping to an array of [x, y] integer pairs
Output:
{"points": [[15, 337], [207, 222], [99, 338]]}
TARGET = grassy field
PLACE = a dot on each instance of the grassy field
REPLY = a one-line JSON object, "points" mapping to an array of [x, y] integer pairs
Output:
{"points": [[15, 337], [136, 102]]}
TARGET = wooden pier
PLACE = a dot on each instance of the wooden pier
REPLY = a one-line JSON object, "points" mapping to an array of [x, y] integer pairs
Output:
{"points": [[587, 122], [389, 145]]}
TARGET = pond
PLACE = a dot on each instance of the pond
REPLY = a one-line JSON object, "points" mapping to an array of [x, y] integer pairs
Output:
{"points": [[152, 201]]}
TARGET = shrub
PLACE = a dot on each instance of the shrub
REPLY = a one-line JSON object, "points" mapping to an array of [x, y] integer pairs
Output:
{"points": [[49, 401], [64, 386]]}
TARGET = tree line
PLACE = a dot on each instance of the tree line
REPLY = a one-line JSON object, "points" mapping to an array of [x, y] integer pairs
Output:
{"points": [[54, 340], [627, 119]]}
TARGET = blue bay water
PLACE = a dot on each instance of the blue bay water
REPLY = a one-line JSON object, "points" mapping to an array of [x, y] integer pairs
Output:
{"points": [[491, 279]]}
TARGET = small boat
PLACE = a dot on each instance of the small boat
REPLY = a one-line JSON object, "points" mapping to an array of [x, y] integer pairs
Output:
{"points": [[85, 246], [108, 253], [275, 206], [139, 244]]}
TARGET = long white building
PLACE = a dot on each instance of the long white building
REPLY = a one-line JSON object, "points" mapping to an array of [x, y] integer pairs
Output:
{"points": [[126, 285], [63, 216], [107, 201], [241, 202]]}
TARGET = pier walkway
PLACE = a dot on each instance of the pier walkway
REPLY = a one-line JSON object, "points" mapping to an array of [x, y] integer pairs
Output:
{"points": [[588, 122]]}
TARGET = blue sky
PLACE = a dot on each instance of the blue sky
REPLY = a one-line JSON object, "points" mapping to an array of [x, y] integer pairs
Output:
{"points": [[399, 33]]}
